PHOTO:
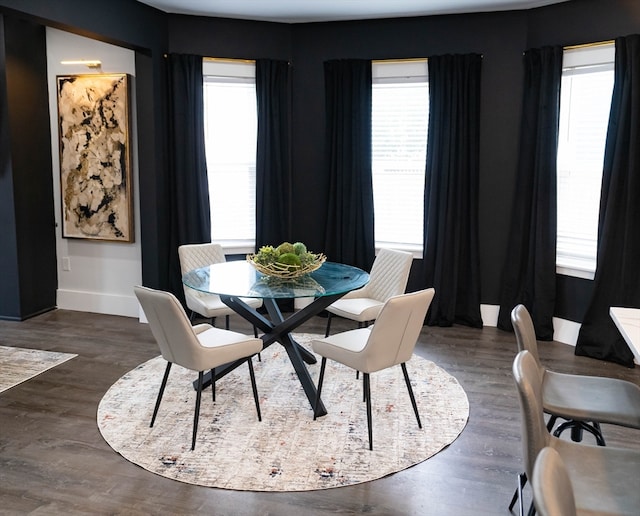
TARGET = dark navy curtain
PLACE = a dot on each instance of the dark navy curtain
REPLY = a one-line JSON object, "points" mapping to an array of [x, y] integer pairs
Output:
{"points": [[451, 260], [529, 275], [617, 278], [349, 238], [273, 160], [188, 204]]}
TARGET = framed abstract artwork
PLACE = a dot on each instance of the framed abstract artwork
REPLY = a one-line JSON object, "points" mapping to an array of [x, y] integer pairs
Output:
{"points": [[95, 156]]}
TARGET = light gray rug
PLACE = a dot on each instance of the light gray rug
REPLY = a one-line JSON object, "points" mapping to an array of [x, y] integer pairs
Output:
{"points": [[18, 365], [287, 451]]}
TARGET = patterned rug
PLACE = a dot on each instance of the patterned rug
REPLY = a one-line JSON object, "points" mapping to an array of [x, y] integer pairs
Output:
{"points": [[18, 365], [287, 451]]}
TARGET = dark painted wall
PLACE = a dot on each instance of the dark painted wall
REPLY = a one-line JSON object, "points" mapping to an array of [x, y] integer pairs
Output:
{"points": [[232, 39], [10, 286], [499, 37], [27, 184]]}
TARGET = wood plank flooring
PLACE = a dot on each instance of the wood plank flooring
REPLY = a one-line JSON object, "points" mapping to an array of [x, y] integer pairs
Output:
{"points": [[53, 459]]}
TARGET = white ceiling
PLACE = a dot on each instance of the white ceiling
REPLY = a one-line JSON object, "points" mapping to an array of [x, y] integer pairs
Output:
{"points": [[303, 11]]}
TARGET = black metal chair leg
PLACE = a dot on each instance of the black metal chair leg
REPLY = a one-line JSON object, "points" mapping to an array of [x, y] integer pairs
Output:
{"points": [[599, 435], [255, 334], [196, 414], [522, 480], [329, 315], [162, 386], [573, 424], [213, 384], [367, 388], [551, 422], [254, 388], [413, 399], [319, 389]]}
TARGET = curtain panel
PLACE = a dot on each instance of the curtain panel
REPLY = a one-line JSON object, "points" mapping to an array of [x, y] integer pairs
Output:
{"points": [[273, 159], [189, 188], [350, 235], [451, 257], [529, 275], [617, 277]]}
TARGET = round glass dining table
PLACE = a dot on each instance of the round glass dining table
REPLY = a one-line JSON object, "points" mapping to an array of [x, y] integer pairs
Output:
{"points": [[235, 280]]}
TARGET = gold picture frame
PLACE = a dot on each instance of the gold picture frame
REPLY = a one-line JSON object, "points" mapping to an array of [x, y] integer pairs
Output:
{"points": [[95, 156]]}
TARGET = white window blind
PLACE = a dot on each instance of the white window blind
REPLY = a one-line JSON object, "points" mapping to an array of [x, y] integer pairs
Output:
{"points": [[400, 114], [230, 141], [587, 84]]}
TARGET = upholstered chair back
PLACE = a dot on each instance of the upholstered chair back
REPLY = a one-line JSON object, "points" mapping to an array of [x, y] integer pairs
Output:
{"points": [[194, 256], [171, 328], [529, 385], [389, 274], [396, 331], [525, 331]]}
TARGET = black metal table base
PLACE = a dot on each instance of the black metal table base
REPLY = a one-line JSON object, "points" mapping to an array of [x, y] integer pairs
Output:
{"points": [[278, 329]]}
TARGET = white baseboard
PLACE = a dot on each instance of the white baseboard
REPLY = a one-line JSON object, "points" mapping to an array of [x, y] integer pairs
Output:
{"points": [[564, 331], [111, 304], [489, 314]]}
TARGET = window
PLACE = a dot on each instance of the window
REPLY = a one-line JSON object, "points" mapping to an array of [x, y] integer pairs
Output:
{"points": [[585, 100], [400, 114], [230, 141]]}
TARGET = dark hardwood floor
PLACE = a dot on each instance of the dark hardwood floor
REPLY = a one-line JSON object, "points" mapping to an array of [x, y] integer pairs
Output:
{"points": [[53, 459]]}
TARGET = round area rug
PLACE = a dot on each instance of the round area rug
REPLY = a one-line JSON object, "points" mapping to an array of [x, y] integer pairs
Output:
{"points": [[288, 450]]}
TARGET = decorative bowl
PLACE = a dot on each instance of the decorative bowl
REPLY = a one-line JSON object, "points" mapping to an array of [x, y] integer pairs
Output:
{"points": [[281, 270]]}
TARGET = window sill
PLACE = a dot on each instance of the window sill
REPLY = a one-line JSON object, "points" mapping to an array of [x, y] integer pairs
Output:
{"points": [[232, 247], [416, 251], [575, 268]]}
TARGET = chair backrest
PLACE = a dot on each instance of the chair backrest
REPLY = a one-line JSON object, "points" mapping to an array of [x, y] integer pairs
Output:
{"points": [[171, 328], [389, 274], [552, 489], [534, 431], [396, 331], [194, 256], [525, 331]]}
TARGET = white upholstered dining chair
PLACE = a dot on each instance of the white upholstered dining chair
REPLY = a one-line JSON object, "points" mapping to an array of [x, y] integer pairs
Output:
{"points": [[389, 342], [388, 277], [198, 348], [209, 306]]}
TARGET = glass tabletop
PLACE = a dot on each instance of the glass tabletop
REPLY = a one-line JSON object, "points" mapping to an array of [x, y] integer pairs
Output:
{"points": [[241, 279]]}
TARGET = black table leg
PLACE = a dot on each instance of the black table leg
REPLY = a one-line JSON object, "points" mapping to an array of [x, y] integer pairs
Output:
{"points": [[279, 329]]}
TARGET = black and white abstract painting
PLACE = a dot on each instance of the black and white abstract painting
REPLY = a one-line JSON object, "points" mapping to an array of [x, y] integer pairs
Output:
{"points": [[95, 157]]}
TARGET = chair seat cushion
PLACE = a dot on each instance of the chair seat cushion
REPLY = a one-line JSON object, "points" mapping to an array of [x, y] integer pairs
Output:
{"points": [[360, 309], [604, 479], [345, 347], [591, 398], [222, 346], [210, 305]]}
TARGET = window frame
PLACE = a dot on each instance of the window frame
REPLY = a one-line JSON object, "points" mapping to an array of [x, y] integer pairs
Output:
{"points": [[403, 71], [582, 60], [239, 72]]}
